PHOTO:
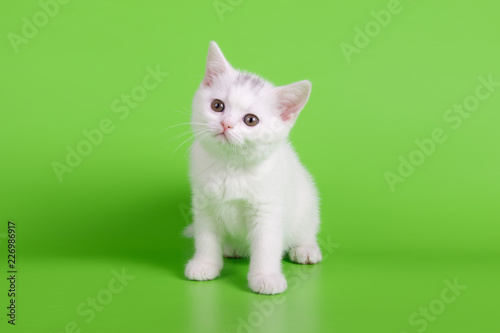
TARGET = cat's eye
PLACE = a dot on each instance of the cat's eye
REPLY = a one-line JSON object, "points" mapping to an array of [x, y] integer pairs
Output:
{"points": [[251, 119], [217, 105]]}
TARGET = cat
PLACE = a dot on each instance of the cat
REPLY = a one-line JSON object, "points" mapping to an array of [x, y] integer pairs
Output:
{"points": [[251, 195]]}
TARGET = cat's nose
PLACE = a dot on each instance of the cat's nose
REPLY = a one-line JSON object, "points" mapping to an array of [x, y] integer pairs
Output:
{"points": [[225, 126]]}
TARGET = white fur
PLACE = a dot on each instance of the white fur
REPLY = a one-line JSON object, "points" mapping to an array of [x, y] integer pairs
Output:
{"points": [[251, 195]]}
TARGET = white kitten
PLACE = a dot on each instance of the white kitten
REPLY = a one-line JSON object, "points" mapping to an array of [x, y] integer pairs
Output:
{"points": [[251, 195]]}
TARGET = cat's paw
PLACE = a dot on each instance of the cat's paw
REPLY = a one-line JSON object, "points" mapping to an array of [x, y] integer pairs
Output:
{"points": [[268, 284], [306, 254], [201, 271]]}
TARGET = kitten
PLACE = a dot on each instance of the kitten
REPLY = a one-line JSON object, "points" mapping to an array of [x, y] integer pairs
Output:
{"points": [[251, 195]]}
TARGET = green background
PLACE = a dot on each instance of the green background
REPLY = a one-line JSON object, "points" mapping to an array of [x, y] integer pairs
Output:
{"points": [[124, 206]]}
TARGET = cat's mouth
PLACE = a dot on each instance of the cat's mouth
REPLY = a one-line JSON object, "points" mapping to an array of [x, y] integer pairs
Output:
{"points": [[224, 137]]}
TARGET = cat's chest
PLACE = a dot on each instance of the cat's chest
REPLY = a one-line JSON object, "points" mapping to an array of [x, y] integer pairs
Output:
{"points": [[220, 181], [230, 186]]}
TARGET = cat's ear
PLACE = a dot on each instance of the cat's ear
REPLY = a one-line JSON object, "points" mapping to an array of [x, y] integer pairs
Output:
{"points": [[216, 64], [292, 99]]}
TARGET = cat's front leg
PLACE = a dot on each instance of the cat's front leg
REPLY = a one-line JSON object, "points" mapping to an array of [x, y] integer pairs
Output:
{"points": [[266, 249], [207, 261]]}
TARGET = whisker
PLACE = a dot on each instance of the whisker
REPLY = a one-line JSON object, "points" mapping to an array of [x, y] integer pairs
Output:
{"points": [[179, 135], [197, 142], [203, 137], [180, 144], [181, 124], [233, 151], [187, 114], [184, 142], [203, 131]]}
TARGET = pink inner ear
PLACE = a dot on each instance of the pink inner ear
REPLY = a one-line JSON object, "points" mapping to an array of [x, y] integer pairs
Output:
{"points": [[289, 106], [292, 98], [208, 79], [213, 70], [287, 111]]}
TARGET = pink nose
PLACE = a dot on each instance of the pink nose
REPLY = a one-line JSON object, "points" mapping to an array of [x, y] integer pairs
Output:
{"points": [[225, 126]]}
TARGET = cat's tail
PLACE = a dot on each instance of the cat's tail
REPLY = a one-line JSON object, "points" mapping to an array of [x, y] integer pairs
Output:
{"points": [[189, 231]]}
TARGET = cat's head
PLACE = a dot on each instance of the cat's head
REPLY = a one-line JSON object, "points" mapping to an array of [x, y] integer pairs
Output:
{"points": [[241, 115]]}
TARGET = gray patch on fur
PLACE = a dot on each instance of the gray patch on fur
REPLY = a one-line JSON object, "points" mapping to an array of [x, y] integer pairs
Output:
{"points": [[253, 81]]}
